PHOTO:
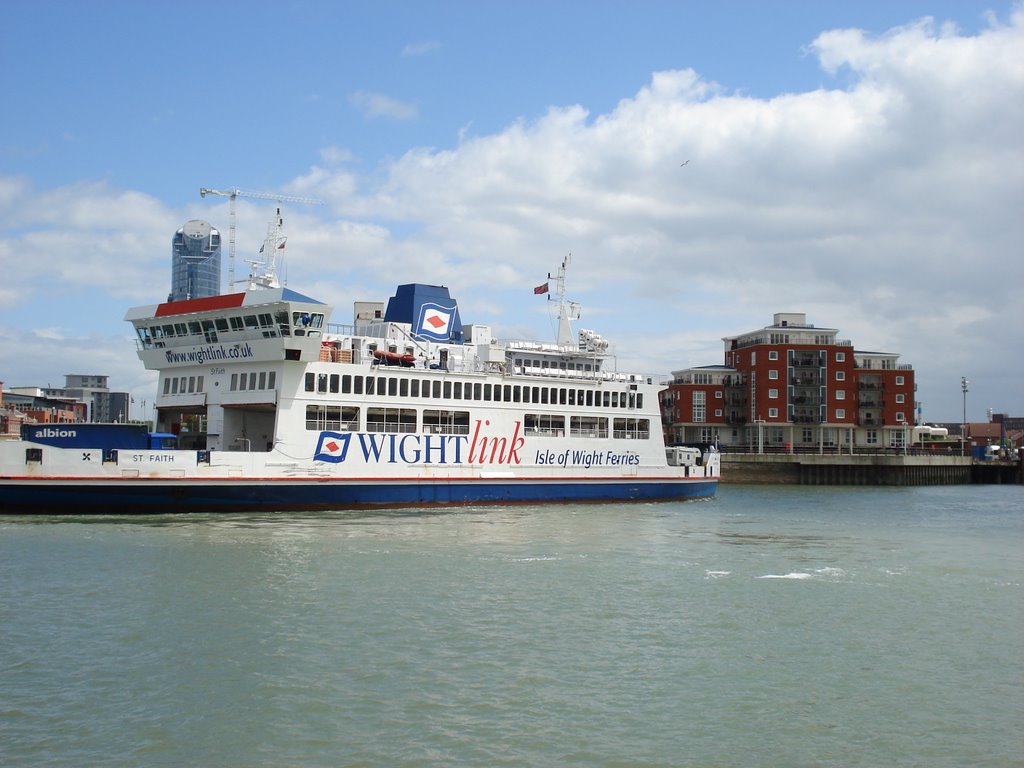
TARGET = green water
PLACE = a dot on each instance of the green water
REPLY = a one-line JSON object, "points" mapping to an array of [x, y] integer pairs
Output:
{"points": [[768, 627]]}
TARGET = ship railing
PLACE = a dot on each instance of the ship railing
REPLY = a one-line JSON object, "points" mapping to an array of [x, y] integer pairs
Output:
{"points": [[381, 426]]}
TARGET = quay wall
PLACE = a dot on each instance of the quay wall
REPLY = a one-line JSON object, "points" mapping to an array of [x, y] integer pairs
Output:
{"points": [[900, 470]]}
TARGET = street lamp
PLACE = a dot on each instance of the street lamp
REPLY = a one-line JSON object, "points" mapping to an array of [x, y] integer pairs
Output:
{"points": [[963, 424]]}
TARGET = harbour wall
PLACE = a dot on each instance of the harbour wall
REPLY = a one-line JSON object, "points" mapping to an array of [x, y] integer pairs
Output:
{"points": [[899, 470]]}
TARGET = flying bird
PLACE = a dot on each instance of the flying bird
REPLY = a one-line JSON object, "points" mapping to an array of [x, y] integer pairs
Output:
{"points": [[682, 164]]}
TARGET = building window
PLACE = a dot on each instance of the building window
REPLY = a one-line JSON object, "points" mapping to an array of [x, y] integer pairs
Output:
{"points": [[840, 414], [773, 375], [773, 354], [699, 407], [840, 357], [773, 394], [840, 394], [773, 413], [900, 399], [872, 437], [899, 381], [840, 375]]}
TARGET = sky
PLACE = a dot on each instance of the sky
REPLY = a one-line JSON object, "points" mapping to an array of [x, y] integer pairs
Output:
{"points": [[705, 165]]}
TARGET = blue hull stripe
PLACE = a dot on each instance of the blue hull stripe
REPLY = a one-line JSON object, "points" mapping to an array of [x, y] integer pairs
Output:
{"points": [[156, 497]]}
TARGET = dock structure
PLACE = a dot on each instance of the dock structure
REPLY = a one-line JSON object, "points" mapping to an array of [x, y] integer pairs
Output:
{"points": [[864, 469]]}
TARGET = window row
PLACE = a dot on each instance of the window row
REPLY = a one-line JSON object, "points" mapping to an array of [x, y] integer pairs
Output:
{"points": [[182, 385], [392, 386], [240, 382], [267, 323], [345, 418]]}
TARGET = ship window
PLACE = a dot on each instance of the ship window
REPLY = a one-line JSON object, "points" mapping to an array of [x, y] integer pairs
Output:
{"points": [[357, 385], [310, 381], [180, 329], [271, 380], [335, 383], [168, 330], [236, 323], [436, 389], [174, 385], [191, 384], [403, 388], [371, 384], [321, 382], [390, 420], [561, 397], [447, 390], [194, 327], [252, 380], [266, 321], [167, 386], [632, 429], [446, 422], [333, 417], [544, 424], [346, 384], [251, 321], [263, 381], [199, 383], [588, 426], [221, 323], [392, 387], [640, 400], [487, 392], [606, 399], [414, 388], [457, 390], [590, 398]]}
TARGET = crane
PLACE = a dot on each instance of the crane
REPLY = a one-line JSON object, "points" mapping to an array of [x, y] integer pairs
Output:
{"points": [[234, 193]]}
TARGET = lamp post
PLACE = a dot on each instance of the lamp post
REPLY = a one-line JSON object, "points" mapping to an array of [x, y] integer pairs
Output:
{"points": [[963, 424]]}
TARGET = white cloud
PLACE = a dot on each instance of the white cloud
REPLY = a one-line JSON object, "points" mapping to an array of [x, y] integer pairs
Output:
{"points": [[420, 48], [378, 105]]}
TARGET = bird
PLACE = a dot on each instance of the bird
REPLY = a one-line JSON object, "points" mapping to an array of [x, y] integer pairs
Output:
{"points": [[682, 164]]}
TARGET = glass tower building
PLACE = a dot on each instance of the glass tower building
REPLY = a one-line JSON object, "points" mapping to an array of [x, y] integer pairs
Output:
{"points": [[195, 262]]}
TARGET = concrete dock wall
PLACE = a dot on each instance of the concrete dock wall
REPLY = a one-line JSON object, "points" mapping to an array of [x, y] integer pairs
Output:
{"points": [[813, 469]]}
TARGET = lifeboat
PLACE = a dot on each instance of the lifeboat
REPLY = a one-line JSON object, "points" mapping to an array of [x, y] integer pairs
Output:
{"points": [[394, 358]]}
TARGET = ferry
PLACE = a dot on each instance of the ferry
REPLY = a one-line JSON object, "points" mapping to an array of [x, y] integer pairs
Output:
{"points": [[264, 404]]}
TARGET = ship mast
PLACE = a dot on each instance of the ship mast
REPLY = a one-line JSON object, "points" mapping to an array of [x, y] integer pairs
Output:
{"points": [[263, 271], [567, 310]]}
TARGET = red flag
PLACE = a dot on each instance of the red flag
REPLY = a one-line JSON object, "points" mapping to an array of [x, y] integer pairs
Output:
{"points": [[280, 246], [541, 288]]}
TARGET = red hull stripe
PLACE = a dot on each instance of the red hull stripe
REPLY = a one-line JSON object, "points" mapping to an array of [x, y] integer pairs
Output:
{"points": [[204, 304]]}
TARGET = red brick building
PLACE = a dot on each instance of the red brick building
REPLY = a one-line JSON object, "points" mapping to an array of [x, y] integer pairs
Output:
{"points": [[790, 386]]}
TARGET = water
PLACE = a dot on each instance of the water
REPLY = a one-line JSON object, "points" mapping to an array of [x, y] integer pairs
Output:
{"points": [[769, 627]]}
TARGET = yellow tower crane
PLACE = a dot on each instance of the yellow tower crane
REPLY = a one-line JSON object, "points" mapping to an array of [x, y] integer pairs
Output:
{"points": [[232, 195]]}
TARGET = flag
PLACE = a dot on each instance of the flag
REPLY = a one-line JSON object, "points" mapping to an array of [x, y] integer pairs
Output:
{"points": [[280, 246], [541, 288]]}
